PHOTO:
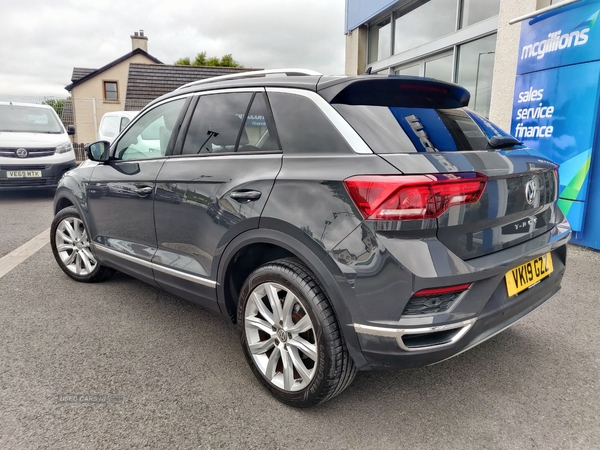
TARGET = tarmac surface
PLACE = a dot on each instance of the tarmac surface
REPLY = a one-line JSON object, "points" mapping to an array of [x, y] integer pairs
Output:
{"points": [[178, 379]]}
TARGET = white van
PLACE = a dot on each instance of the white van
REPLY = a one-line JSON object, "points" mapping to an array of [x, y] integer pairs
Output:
{"points": [[112, 123], [35, 148]]}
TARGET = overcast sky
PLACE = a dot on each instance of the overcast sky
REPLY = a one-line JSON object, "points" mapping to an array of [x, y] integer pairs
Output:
{"points": [[41, 40]]}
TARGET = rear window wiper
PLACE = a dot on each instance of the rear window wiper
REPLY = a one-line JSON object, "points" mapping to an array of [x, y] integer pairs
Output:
{"points": [[498, 142]]}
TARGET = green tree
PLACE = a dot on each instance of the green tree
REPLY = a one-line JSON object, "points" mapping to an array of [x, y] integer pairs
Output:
{"points": [[213, 61], [57, 103], [200, 59], [184, 62]]}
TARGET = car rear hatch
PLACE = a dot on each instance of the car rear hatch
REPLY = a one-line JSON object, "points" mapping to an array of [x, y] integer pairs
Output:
{"points": [[485, 198]]}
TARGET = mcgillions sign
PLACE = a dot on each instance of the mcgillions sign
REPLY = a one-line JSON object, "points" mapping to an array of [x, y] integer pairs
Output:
{"points": [[547, 41], [556, 41]]}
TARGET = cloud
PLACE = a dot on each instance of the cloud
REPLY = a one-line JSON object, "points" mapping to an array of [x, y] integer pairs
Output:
{"points": [[42, 41]]}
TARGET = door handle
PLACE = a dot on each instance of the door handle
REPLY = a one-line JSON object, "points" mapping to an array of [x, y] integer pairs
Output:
{"points": [[245, 196], [143, 191]]}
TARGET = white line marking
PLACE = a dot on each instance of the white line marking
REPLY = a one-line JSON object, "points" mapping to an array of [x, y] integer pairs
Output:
{"points": [[16, 257]]}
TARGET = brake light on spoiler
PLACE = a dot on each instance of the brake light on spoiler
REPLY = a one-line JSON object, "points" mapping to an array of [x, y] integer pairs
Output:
{"points": [[413, 197]]}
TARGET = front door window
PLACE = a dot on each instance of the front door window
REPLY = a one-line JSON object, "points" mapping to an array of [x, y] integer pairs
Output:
{"points": [[149, 136]]}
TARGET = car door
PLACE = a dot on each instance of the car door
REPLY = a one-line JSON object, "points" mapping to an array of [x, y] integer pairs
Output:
{"points": [[213, 190], [121, 192]]}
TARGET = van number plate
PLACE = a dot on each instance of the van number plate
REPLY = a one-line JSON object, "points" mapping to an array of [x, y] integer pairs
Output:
{"points": [[528, 274], [24, 174]]}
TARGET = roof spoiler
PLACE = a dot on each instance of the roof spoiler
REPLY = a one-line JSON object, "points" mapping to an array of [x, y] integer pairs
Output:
{"points": [[395, 90]]}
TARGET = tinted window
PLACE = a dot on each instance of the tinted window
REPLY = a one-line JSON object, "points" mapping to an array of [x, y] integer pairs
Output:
{"points": [[217, 124], [303, 127], [28, 119], [400, 130], [149, 136]]}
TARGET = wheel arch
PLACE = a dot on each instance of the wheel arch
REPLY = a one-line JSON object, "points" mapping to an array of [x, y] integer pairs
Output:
{"points": [[263, 245]]}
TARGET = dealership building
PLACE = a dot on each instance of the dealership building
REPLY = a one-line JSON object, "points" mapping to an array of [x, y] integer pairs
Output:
{"points": [[531, 66]]}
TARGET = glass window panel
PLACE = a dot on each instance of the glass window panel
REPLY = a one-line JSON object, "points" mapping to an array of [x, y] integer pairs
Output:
{"points": [[427, 22], [380, 41], [440, 68], [475, 72], [216, 123], [477, 10], [124, 122], [150, 135], [110, 90], [413, 71], [303, 128]]}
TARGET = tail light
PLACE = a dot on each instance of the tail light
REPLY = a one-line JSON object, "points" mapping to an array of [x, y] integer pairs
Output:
{"points": [[413, 197], [434, 300], [442, 290]]}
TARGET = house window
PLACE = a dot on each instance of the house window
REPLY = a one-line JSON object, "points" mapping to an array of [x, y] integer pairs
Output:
{"points": [[110, 90]]}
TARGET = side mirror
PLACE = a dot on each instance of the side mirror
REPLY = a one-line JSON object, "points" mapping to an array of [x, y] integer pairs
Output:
{"points": [[98, 151], [71, 130]]}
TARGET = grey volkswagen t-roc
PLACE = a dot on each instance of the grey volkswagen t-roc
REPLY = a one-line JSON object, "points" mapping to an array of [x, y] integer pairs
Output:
{"points": [[344, 223]]}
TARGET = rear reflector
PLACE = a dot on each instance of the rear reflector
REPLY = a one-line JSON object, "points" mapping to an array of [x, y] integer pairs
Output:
{"points": [[413, 197], [442, 290]]}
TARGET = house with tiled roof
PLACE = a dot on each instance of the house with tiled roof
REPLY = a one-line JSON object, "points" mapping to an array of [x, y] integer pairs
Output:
{"points": [[127, 83], [149, 81]]}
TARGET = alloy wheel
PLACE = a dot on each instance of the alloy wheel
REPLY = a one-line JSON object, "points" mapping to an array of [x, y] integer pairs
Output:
{"points": [[281, 337], [73, 246]]}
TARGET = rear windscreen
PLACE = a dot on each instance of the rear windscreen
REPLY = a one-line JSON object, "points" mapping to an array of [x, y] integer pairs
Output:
{"points": [[28, 119], [391, 129]]}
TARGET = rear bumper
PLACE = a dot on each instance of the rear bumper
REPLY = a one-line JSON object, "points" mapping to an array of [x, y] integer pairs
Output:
{"points": [[404, 347], [51, 174]]}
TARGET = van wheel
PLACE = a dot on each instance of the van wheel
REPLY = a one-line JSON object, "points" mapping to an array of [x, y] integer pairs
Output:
{"points": [[71, 247], [290, 335]]}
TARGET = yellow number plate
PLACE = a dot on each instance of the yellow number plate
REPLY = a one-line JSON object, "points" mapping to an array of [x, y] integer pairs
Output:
{"points": [[528, 274]]}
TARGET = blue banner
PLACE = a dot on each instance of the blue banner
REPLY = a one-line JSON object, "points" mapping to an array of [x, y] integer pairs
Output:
{"points": [[555, 107], [565, 37]]}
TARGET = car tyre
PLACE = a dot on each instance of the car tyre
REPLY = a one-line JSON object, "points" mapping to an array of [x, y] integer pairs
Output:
{"points": [[290, 335], [71, 248]]}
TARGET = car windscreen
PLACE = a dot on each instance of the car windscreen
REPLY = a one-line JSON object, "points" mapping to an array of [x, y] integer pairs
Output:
{"points": [[400, 129], [28, 119]]}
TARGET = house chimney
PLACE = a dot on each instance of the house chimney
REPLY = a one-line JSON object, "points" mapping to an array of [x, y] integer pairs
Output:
{"points": [[138, 40]]}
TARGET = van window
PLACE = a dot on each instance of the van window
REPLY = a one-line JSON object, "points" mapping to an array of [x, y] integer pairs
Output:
{"points": [[108, 126], [29, 119]]}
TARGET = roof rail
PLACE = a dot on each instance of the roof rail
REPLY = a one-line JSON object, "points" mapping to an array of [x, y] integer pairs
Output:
{"points": [[253, 74]]}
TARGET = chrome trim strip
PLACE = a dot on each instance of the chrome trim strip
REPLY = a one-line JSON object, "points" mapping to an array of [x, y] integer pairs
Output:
{"points": [[125, 256], [398, 333], [483, 340], [153, 266], [185, 276], [352, 137]]}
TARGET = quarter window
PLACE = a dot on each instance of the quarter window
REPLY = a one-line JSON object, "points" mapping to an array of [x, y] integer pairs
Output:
{"points": [[110, 90], [303, 128]]}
